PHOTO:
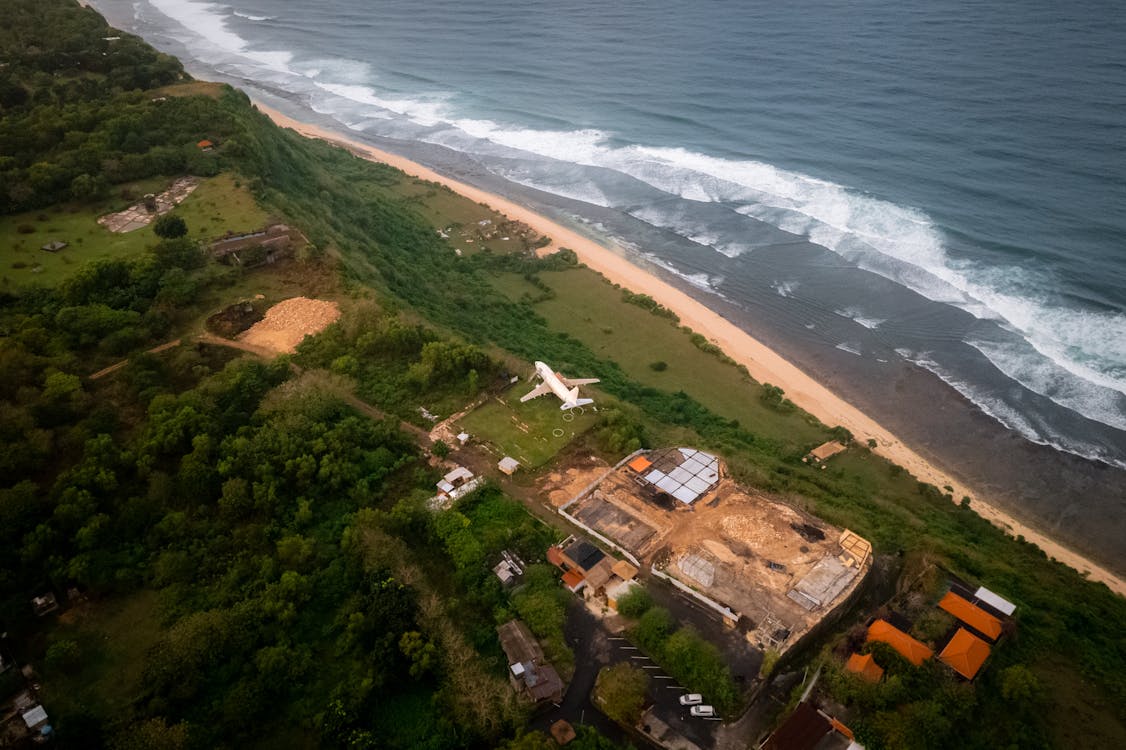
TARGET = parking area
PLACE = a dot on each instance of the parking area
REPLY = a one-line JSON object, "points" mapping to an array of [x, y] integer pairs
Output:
{"points": [[666, 710]]}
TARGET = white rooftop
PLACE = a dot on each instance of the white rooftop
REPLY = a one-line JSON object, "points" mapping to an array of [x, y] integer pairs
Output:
{"points": [[993, 600], [35, 716]]}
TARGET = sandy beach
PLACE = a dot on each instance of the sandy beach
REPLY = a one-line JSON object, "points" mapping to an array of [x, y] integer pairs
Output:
{"points": [[763, 363]]}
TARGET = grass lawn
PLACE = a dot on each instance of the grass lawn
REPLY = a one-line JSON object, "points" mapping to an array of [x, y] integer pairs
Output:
{"points": [[532, 433], [448, 210], [113, 638], [191, 88], [591, 310], [216, 206]]}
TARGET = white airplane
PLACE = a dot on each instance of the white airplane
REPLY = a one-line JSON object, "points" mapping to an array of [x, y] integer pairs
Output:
{"points": [[555, 383]]}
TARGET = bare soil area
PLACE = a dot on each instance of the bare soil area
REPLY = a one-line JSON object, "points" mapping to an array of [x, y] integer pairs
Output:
{"points": [[745, 549], [287, 323]]}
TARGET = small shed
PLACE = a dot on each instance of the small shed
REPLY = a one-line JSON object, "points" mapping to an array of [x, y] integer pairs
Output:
{"points": [[462, 438], [625, 570], [995, 602], [562, 732], [508, 465], [54, 246], [504, 572], [36, 717], [205, 145], [458, 476], [824, 452]]}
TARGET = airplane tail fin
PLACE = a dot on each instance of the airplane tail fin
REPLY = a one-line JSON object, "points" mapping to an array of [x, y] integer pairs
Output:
{"points": [[575, 401]]}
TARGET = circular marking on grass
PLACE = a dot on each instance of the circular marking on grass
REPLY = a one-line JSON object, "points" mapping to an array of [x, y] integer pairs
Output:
{"points": [[568, 416], [557, 432]]}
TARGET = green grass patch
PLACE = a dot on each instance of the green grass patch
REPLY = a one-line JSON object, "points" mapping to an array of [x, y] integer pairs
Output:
{"points": [[112, 638], [216, 206], [533, 432], [191, 88], [592, 310]]}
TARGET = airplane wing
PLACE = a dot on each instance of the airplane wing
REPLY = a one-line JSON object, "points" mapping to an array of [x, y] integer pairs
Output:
{"points": [[536, 392], [572, 382]]}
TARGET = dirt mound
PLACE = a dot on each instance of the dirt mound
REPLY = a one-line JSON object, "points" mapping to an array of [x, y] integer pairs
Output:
{"points": [[288, 322]]}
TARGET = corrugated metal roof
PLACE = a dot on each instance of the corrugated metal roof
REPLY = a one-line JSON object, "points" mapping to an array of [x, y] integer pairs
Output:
{"points": [[998, 603]]}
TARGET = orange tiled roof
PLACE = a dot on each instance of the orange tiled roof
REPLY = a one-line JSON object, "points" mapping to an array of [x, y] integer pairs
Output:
{"points": [[965, 653], [572, 578], [554, 556], [907, 647], [865, 666], [972, 615]]}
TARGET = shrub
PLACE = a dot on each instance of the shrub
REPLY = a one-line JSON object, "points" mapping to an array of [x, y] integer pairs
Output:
{"points": [[170, 227], [659, 366], [635, 603], [26, 229], [620, 690], [64, 655]]}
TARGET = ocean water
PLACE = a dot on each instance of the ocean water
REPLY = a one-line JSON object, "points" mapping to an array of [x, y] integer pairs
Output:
{"points": [[935, 185]]}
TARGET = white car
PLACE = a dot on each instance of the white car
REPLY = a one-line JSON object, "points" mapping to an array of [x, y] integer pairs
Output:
{"points": [[692, 699], [704, 712]]}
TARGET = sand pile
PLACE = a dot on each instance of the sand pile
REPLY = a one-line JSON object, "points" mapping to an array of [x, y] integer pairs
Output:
{"points": [[288, 322]]}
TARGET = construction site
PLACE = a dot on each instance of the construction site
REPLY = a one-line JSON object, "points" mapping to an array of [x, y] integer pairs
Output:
{"points": [[769, 569]]}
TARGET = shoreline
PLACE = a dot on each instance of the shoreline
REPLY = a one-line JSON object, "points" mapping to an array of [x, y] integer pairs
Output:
{"points": [[763, 363]]}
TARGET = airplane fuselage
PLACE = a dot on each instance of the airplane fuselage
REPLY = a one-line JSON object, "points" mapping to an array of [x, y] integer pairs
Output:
{"points": [[565, 389]]}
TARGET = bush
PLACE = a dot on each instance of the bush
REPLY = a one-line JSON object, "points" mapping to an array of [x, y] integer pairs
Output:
{"points": [[170, 227], [659, 366], [26, 229], [635, 603], [620, 691], [64, 655]]}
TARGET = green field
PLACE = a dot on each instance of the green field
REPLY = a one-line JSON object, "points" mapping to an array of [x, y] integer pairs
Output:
{"points": [[113, 639], [216, 206], [590, 309], [531, 433]]}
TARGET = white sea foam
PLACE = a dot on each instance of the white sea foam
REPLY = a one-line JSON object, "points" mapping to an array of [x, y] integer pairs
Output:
{"points": [[423, 112], [208, 22], [1043, 376], [1004, 413], [784, 288], [857, 315], [250, 17], [699, 280], [849, 347]]}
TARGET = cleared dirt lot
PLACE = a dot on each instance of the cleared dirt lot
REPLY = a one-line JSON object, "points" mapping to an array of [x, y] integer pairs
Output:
{"points": [[287, 323], [776, 566]]}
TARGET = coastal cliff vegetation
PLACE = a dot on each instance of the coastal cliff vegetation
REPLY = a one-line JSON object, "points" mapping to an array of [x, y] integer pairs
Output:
{"points": [[253, 551]]}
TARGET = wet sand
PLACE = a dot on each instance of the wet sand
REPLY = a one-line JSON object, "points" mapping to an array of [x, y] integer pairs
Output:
{"points": [[763, 363]]}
